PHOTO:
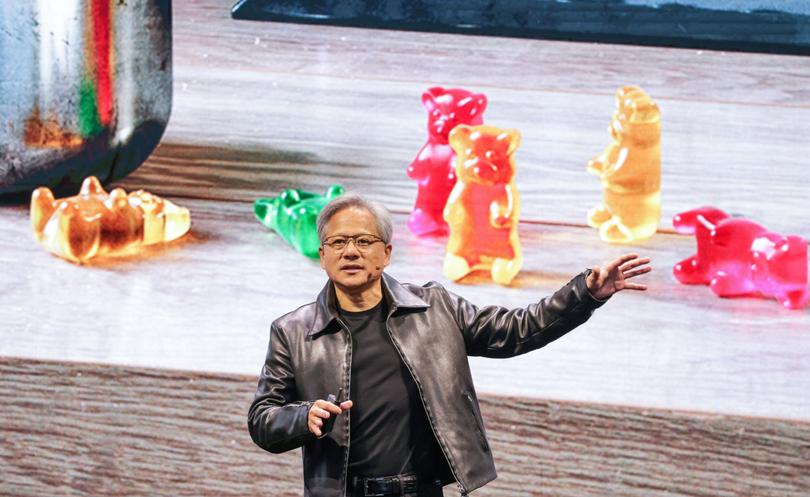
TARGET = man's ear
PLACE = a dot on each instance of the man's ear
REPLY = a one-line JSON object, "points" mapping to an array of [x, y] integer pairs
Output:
{"points": [[388, 249], [320, 257]]}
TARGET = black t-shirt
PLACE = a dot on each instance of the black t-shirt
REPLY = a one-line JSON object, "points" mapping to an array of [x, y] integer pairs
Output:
{"points": [[390, 433]]}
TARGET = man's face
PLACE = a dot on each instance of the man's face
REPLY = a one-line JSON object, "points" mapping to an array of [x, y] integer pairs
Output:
{"points": [[354, 269]]}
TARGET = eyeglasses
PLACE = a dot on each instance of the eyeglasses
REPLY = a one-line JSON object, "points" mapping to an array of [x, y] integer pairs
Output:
{"points": [[362, 242]]}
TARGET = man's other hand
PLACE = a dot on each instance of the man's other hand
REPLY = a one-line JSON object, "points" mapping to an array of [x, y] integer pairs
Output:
{"points": [[613, 276], [323, 409]]}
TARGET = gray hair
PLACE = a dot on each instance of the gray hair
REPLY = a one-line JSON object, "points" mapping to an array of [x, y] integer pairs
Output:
{"points": [[349, 200]]}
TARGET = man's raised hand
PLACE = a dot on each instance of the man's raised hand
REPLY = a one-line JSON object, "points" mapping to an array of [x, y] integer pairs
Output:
{"points": [[614, 275]]}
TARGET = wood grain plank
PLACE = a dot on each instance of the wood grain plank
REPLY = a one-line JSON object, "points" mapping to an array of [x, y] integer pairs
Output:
{"points": [[88, 429], [97, 430], [206, 303]]}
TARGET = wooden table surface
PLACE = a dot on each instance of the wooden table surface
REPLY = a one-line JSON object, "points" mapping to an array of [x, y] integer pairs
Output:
{"points": [[206, 303], [259, 107]]}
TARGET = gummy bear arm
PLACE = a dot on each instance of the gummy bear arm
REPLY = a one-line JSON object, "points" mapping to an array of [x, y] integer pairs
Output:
{"points": [[502, 207], [497, 332], [421, 164], [612, 167], [277, 421], [595, 167]]}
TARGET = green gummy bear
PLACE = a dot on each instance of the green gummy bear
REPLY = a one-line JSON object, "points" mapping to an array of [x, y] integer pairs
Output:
{"points": [[293, 215]]}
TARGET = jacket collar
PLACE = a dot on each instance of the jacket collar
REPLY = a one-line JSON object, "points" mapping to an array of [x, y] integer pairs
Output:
{"points": [[395, 295]]}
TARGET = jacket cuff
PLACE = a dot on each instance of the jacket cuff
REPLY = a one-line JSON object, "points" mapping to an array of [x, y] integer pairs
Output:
{"points": [[584, 295], [308, 435]]}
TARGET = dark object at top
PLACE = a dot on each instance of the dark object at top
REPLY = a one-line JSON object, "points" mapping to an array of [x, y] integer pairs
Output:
{"points": [[771, 27]]}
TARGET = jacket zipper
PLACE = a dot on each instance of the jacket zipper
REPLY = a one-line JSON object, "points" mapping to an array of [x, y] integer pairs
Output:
{"points": [[462, 490], [348, 334]]}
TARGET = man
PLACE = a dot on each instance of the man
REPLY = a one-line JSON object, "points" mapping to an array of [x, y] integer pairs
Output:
{"points": [[399, 352]]}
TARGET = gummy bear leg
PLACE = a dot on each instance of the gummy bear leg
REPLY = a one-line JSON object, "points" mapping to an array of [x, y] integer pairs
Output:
{"points": [[636, 215], [725, 285], [598, 216], [505, 270], [455, 267], [795, 299], [689, 272], [614, 231], [420, 223], [644, 231]]}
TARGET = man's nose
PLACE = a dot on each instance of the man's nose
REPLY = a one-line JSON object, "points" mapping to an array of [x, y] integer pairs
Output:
{"points": [[351, 251]]}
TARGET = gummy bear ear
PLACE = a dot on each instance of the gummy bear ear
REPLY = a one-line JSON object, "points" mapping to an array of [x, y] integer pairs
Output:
{"points": [[42, 206], [645, 111], [475, 104], [513, 136], [290, 197], [262, 206], [429, 97], [91, 186], [118, 198], [334, 191], [481, 100], [459, 136], [627, 91]]}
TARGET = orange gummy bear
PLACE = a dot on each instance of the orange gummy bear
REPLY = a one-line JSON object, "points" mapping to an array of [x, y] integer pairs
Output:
{"points": [[630, 170], [94, 223], [483, 208]]}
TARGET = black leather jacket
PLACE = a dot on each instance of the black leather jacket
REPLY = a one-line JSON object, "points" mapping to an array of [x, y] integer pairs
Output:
{"points": [[434, 331]]}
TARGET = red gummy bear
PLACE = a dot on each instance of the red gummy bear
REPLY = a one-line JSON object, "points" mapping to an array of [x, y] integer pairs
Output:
{"points": [[434, 165], [736, 256]]}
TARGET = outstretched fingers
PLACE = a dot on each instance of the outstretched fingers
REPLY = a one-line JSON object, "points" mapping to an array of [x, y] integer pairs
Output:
{"points": [[624, 259], [637, 272], [632, 268], [635, 286], [633, 262]]}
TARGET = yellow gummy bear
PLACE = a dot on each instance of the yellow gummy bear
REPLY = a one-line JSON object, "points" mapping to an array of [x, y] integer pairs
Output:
{"points": [[94, 223], [630, 170]]}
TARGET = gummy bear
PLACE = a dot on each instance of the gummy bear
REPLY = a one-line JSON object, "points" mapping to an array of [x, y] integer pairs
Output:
{"points": [[434, 168], [483, 208], [293, 215], [736, 256], [94, 223], [630, 170]]}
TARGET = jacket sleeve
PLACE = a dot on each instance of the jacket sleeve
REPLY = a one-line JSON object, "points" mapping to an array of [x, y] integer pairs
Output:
{"points": [[277, 421], [495, 331]]}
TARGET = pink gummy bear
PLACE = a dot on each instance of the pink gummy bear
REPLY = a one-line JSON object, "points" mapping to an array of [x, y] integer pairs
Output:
{"points": [[434, 165], [736, 256]]}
